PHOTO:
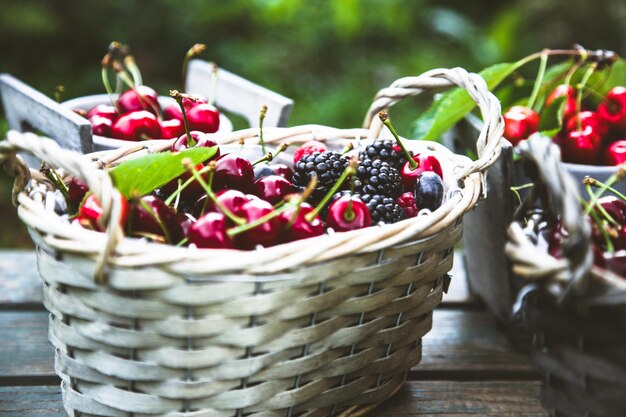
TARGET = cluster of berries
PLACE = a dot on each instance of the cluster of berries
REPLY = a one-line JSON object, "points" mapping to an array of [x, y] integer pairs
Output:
{"points": [[231, 202]]}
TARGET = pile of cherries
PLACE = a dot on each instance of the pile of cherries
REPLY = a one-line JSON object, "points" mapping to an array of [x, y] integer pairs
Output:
{"points": [[588, 136], [136, 114], [234, 203]]}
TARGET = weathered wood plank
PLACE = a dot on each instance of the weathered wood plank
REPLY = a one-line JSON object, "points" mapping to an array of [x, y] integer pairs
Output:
{"points": [[25, 352], [20, 282], [462, 345], [447, 398], [19, 279], [38, 401], [433, 398]]}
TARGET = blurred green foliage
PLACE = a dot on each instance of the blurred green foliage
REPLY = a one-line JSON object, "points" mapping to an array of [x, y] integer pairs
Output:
{"points": [[329, 56]]}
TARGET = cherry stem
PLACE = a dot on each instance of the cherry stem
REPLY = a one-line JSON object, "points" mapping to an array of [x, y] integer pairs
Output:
{"points": [[156, 218], [213, 84], [265, 158], [58, 93], [107, 85], [179, 99], [598, 221], [281, 148], [54, 177], [261, 118], [261, 220], [608, 185], [350, 170], [384, 117], [194, 51], [348, 148], [538, 81], [133, 68], [579, 97], [211, 168], [595, 204]]}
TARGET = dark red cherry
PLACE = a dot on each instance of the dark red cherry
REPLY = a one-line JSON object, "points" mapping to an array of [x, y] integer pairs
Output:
{"points": [[232, 171], [266, 234], [341, 219], [141, 98], [282, 170], [76, 190], [101, 126], [232, 200], [104, 110], [582, 146], [588, 118], [615, 153], [185, 220], [407, 202], [613, 110], [519, 123], [567, 91], [425, 163], [152, 216], [138, 125], [272, 188], [172, 128], [204, 117], [192, 192], [90, 211], [209, 231], [298, 227], [173, 110], [615, 207]]}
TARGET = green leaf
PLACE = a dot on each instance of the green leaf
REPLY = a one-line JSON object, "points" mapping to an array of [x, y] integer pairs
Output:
{"points": [[551, 121], [456, 104], [143, 175]]}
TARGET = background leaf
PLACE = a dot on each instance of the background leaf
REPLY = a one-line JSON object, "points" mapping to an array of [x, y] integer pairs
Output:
{"points": [[456, 104], [145, 174]]}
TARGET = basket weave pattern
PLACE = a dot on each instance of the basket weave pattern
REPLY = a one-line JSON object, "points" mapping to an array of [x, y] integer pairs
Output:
{"points": [[577, 316], [328, 326]]}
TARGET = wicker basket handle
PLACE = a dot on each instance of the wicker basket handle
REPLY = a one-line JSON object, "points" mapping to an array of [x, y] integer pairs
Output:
{"points": [[488, 143], [99, 181], [558, 193]]}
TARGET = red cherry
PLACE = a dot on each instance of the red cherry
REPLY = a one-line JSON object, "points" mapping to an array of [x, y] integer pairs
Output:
{"points": [[232, 171], [90, 211], [613, 110], [138, 125], [519, 123], [582, 146], [173, 110], [202, 141], [172, 128], [104, 110], [151, 215], [615, 207], [407, 202], [209, 231], [425, 162], [308, 148], [76, 190], [615, 153], [204, 117], [266, 234], [588, 118], [101, 126], [338, 217], [568, 91], [232, 200], [299, 227], [130, 100], [282, 170], [185, 220], [272, 188]]}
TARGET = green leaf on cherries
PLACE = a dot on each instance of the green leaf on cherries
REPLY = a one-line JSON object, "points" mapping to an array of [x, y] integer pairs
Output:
{"points": [[452, 106], [145, 174], [551, 120]]}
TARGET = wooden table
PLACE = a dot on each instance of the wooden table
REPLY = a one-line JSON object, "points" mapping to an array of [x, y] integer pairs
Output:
{"points": [[468, 367]]}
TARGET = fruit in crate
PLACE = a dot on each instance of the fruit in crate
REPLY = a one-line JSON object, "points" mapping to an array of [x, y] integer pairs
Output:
{"points": [[136, 114], [212, 200]]}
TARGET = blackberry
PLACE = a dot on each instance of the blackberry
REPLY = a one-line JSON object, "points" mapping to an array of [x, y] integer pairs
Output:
{"points": [[382, 209], [385, 150], [328, 166], [378, 178]]}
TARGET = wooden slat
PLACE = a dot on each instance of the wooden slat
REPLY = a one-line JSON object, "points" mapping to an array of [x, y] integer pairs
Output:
{"points": [[31, 401], [439, 398], [19, 279], [462, 345], [433, 398], [20, 282]]}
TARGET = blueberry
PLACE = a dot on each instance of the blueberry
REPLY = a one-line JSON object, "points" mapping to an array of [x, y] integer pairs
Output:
{"points": [[428, 191], [262, 171]]}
